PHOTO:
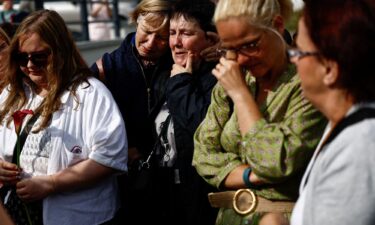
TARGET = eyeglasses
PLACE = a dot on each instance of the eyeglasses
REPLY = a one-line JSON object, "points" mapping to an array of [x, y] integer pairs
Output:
{"points": [[249, 49], [298, 54], [39, 59]]}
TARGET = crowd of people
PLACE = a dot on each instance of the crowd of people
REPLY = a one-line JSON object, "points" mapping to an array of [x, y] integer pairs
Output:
{"points": [[208, 114]]}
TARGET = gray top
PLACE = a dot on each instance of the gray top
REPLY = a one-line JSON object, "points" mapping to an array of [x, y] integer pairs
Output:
{"points": [[341, 179]]}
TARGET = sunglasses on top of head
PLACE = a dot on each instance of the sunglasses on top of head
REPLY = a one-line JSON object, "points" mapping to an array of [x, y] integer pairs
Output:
{"points": [[38, 59]]}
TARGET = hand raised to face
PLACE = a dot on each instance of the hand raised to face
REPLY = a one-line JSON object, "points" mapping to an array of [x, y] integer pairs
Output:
{"points": [[189, 67], [230, 75]]}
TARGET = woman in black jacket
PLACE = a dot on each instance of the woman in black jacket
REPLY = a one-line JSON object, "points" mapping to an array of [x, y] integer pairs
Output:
{"points": [[180, 193]]}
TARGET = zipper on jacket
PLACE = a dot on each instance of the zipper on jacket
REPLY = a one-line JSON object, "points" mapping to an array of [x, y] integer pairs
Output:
{"points": [[148, 89]]}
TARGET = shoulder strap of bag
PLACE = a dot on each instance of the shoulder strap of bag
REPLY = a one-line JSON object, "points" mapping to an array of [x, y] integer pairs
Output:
{"points": [[164, 130], [146, 164], [23, 135]]}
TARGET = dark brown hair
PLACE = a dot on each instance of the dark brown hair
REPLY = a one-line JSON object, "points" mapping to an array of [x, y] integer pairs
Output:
{"points": [[344, 31], [201, 11]]}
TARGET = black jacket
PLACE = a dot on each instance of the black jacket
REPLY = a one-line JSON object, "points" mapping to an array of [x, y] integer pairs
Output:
{"points": [[188, 97], [185, 203], [133, 89]]}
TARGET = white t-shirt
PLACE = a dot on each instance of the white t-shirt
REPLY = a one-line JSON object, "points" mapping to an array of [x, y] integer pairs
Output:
{"points": [[169, 154], [34, 157], [95, 130]]}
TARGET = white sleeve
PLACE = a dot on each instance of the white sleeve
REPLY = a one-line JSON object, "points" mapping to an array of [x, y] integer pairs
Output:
{"points": [[106, 128]]}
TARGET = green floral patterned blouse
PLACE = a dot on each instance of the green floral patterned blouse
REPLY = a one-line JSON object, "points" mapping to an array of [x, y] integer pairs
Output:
{"points": [[277, 148]]}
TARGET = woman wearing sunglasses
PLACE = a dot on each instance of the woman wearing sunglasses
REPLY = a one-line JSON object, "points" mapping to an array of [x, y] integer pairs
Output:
{"points": [[337, 76], [180, 193], [69, 160], [259, 132]]}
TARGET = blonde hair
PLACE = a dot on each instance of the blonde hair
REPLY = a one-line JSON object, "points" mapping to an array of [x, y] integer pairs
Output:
{"points": [[152, 11], [259, 12], [66, 71]]}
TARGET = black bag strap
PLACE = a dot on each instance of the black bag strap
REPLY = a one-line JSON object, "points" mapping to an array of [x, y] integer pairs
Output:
{"points": [[164, 128], [23, 136]]}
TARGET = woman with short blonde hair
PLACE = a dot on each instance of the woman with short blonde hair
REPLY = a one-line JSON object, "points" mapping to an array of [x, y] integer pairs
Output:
{"points": [[148, 8], [259, 131], [261, 12], [131, 72]]}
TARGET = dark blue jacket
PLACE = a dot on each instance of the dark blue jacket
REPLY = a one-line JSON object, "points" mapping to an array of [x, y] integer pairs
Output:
{"points": [[133, 89], [188, 97]]}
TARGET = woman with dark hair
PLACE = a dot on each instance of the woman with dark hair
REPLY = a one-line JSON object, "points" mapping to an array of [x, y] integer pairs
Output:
{"points": [[180, 193], [334, 58], [74, 141]]}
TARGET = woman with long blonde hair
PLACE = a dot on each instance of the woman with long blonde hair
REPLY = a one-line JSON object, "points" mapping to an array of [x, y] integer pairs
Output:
{"points": [[67, 158]]}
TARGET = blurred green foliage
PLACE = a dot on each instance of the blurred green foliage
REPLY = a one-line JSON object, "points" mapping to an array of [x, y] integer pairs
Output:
{"points": [[292, 24]]}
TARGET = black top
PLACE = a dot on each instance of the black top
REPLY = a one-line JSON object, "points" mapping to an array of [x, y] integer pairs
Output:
{"points": [[133, 88]]}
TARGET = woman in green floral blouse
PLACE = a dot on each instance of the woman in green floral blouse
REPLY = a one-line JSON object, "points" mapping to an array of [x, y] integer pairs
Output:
{"points": [[260, 131]]}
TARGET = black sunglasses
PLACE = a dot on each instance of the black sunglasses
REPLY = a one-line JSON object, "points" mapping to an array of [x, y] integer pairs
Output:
{"points": [[39, 59]]}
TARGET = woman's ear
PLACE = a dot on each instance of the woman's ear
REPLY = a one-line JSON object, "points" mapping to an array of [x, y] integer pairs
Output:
{"points": [[278, 23], [331, 73]]}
